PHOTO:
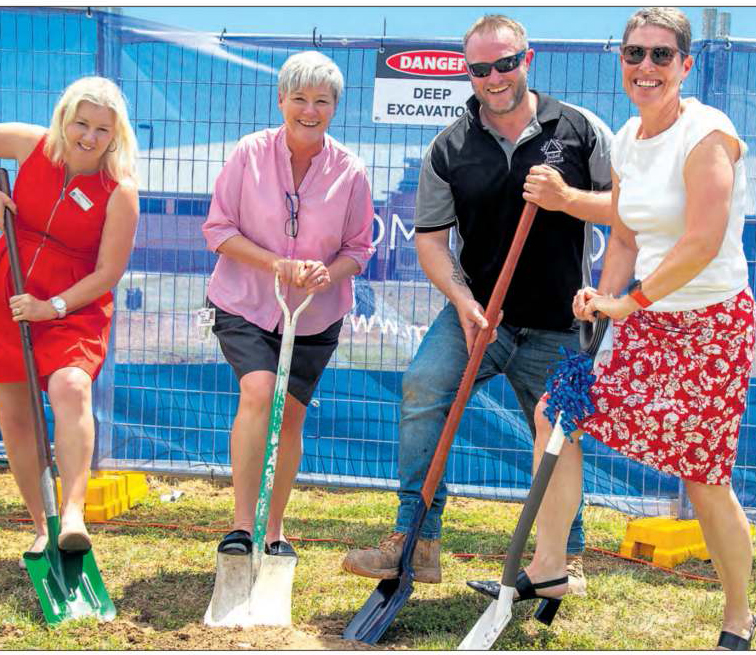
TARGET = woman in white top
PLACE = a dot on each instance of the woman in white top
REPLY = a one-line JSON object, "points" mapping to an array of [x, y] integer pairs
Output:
{"points": [[673, 394]]}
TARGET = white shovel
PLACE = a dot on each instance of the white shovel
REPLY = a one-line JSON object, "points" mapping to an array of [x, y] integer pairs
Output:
{"points": [[499, 612], [595, 338], [255, 589]]}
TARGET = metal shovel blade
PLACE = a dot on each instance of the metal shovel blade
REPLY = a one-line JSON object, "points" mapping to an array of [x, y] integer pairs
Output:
{"points": [[68, 584], [270, 601], [489, 626], [246, 595], [379, 610], [229, 606]]}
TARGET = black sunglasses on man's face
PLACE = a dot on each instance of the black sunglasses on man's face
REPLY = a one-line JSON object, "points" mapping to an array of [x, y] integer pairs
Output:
{"points": [[503, 65]]}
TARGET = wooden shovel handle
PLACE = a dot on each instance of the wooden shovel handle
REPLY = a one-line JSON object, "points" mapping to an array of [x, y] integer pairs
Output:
{"points": [[438, 463], [40, 424]]}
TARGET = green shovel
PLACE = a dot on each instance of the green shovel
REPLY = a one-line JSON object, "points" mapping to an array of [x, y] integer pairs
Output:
{"points": [[68, 584]]}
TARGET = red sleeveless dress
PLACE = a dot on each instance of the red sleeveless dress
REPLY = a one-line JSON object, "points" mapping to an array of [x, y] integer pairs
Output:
{"points": [[58, 242]]}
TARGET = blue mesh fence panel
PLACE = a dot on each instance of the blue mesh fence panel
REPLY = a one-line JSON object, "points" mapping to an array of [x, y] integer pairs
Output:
{"points": [[166, 399], [41, 52]]}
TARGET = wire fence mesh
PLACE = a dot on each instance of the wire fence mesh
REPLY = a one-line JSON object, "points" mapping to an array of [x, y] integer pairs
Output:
{"points": [[166, 398]]}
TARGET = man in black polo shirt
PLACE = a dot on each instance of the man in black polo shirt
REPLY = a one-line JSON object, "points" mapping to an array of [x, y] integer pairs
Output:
{"points": [[512, 145]]}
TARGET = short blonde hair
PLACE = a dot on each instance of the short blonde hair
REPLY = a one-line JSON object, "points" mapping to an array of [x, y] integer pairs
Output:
{"points": [[118, 161], [494, 23], [310, 68], [668, 18]]}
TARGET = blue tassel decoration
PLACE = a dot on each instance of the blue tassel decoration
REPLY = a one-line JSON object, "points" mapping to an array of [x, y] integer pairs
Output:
{"points": [[569, 390]]}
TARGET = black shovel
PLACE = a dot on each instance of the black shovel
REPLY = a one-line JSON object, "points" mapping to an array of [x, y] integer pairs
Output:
{"points": [[68, 584], [381, 607]]}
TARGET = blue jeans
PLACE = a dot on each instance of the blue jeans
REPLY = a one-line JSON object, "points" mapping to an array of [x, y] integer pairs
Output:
{"points": [[430, 384]]}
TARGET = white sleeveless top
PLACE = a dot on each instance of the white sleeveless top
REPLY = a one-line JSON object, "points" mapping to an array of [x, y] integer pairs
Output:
{"points": [[652, 203]]}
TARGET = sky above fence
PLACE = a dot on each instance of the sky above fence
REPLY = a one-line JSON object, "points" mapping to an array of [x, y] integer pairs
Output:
{"points": [[563, 22]]}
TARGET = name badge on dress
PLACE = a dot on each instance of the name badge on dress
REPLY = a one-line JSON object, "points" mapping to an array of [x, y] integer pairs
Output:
{"points": [[81, 199]]}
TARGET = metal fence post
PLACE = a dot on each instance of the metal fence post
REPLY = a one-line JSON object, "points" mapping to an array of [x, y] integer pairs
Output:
{"points": [[684, 506], [714, 76], [103, 391], [709, 22]]}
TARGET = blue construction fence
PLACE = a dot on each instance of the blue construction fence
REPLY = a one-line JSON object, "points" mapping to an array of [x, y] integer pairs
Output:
{"points": [[166, 399]]}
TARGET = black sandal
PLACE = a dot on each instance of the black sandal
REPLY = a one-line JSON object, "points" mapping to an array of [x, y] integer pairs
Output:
{"points": [[731, 641], [281, 549], [237, 542], [526, 590]]}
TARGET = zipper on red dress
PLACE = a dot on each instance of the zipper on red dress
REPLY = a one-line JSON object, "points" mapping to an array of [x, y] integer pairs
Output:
{"points": [[46, 233]]}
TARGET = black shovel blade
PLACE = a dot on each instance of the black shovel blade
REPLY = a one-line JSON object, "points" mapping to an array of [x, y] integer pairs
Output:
{"points": [[369, 624]]}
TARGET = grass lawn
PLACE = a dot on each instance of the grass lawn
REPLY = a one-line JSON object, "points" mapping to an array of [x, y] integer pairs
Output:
{"points": [[160, 568]]}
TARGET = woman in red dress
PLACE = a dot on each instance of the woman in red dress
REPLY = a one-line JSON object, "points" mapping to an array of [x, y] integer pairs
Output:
{"points": [[76, 208]]}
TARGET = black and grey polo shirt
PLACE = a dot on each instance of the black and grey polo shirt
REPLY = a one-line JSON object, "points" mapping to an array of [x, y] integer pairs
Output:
{"points": [[472, 180]]}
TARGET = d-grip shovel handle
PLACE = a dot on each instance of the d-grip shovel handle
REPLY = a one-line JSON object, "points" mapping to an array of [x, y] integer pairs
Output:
{"points": [[438, 463], [44, 453], [275, 421], [289, 318]]}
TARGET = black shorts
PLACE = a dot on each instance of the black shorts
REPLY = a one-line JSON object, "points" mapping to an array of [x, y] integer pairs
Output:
{"points": [[248, 348]]}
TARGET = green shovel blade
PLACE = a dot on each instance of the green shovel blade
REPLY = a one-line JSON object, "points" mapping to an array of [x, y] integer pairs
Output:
{"points": [[68, 584]]}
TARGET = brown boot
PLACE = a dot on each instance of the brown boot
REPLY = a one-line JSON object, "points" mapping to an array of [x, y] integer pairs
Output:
{"points": [[383, 562], [576, 584]]}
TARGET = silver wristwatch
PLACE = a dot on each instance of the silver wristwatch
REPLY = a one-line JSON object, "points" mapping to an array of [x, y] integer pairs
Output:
{"points": [[59, 305]]}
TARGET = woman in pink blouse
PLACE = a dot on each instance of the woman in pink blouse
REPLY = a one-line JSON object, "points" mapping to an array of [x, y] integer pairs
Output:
{"points": [[293, 201]]}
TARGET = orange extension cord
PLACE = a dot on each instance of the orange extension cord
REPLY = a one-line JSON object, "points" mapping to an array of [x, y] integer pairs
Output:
{"points": [[200, 528]]}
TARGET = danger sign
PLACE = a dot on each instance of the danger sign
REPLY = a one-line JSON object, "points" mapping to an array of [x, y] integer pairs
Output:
{"points": [[426, 86], [428, 63]]}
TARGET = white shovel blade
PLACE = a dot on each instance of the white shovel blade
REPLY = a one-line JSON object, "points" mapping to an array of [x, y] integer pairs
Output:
{"points": [[270, 600], [491, 623], [229, 605]]}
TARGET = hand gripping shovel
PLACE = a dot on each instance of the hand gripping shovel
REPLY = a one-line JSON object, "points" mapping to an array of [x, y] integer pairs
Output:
{"points": [[499, 612], [68, 584], [256, 589], [381, 607]]}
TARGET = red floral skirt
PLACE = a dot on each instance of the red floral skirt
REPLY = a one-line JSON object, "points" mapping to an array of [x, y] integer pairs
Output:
{"points": [[673, 394]]}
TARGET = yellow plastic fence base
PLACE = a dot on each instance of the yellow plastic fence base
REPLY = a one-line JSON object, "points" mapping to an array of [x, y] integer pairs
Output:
{"points": [[665, 541], [110, 493]]}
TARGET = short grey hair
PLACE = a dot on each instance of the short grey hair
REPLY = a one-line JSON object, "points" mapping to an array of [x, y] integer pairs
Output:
{"points": [[309, 68], [668, 18], [494, 23]]}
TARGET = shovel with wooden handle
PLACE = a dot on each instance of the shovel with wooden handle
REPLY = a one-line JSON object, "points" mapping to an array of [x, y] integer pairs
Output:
{"points": [[255, 589], [68, 584], [381, 607]]}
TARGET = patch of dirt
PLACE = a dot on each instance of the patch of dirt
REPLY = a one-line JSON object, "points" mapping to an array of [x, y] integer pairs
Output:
{"points": [[200, 637]]}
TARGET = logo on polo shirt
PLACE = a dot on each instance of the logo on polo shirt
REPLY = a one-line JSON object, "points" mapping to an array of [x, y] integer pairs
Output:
{"points": [[552, 151]]}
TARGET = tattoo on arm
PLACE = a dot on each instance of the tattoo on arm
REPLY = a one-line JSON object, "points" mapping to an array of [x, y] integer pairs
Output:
{"points": [[458, 277]]}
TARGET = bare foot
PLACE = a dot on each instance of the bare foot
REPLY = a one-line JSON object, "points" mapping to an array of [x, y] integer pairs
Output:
{"points": [[40, 543], [73, 533]]}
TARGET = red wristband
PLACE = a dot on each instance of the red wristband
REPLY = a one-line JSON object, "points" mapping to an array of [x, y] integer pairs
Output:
{"points": [[636, 293]]}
